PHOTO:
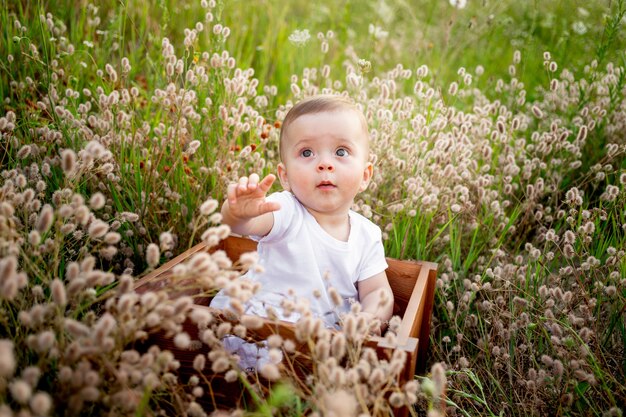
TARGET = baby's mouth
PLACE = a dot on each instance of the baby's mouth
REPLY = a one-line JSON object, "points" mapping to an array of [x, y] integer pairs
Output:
{"points": [[326, 185]]}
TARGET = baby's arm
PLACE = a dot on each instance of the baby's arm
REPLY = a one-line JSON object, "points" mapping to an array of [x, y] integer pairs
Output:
{"points": [[245, 209], [371, 294]]}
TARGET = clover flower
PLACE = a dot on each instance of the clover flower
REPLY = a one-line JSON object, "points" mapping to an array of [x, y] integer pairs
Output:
{"points": [[299, 38]]}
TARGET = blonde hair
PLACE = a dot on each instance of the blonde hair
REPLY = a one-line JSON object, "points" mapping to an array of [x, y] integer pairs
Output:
{"points": [[319, 104]]}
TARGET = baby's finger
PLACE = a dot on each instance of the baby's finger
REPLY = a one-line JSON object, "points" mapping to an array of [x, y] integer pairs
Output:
{"points": [[231, 194], [253, 181], [267, 182], [269, 206], [243, 183]]}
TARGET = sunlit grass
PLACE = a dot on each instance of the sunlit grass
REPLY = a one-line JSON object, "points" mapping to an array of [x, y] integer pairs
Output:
{"points": [[479, 149]]}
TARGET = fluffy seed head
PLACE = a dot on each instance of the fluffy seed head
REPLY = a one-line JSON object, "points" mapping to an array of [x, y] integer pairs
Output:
{"points": [[44, 221], [152, 255], [199, 363], [340, 403], [7, 359], [97, 201], [68, 161], [20, 391], [251, 321], [270, 372], [98, 229], [41, 403], [182, 340], [335, 296], [24, 152], [58, 292], [208, 207]]}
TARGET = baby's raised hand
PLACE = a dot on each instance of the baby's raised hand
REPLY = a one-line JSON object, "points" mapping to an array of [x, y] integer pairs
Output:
{"points": [[246, 198]]}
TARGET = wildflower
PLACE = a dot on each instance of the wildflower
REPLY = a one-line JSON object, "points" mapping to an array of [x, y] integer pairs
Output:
{"points": [[340, 403], [397, 399], [231, 376], [7, 359], [377, 32], [166, 241], [459, 4], [112, 238], [589, 227], [24, 152], [41, 403], [111, 72], [270, 372], [182, 340], [34, 238], [338, 346], [199, 362], [251, 321], [299, 38], [223, 329], [335, 296], [97, 201], [453, 89], [579, 27], [152, 255], [58, 292], [365, 66], [221, 364], [98, 229], [439, 380], [20, 391], [45, 341], [68, 161], [44, 221], [569, 237], [197, 392]]}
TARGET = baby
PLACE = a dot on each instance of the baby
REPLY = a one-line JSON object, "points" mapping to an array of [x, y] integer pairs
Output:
{"points": [[309, 239]]}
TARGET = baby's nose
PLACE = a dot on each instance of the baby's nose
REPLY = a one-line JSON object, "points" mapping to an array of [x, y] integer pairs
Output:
{"points": [[325, 166]]}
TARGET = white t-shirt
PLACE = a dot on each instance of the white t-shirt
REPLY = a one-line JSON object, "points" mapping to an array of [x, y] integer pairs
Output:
{"points": [[299, 255]]}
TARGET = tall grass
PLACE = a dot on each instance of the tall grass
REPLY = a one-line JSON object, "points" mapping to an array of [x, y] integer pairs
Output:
{"points": [[498, 134]]}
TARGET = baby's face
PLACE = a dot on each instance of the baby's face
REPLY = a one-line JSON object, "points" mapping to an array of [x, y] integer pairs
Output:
{"points": [[325, 160]]}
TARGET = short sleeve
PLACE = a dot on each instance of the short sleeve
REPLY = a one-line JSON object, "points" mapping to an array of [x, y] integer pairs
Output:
{"points": [[373, 261], [282, 218]]}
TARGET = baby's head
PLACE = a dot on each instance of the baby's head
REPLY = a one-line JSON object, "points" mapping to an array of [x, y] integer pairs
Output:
{"points": [[320, 104], [324, 150]]}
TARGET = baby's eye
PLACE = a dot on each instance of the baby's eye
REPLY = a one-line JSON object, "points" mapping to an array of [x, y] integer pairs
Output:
{"points": [[341, 152], [306, 153]]}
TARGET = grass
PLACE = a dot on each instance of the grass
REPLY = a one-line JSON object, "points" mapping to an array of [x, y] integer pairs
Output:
{"points": [[493, 289]]}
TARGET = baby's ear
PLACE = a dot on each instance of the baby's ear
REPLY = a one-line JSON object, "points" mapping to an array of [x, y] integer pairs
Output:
{"points": [[282, 177], [367, 176]]}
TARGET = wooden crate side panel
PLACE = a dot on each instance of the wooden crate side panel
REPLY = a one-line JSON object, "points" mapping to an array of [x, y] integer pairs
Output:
{"points": [[402, 276], [236, 246], [409, 328], [428, 303]]}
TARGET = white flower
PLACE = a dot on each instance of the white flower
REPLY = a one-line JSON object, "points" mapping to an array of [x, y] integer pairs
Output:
{"points": [[459, 4], [378, 32], [579, 27], [300, 37]]}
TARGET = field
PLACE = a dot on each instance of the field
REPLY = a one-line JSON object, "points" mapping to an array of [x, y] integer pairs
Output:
{"points": [[498, 131]]}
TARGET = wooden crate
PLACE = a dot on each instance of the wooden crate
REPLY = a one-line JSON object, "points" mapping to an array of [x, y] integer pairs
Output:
{"points": [[412, 283]]}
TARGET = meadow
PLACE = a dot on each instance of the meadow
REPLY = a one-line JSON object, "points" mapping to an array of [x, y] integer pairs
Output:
{"points": [[498, 136]]}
